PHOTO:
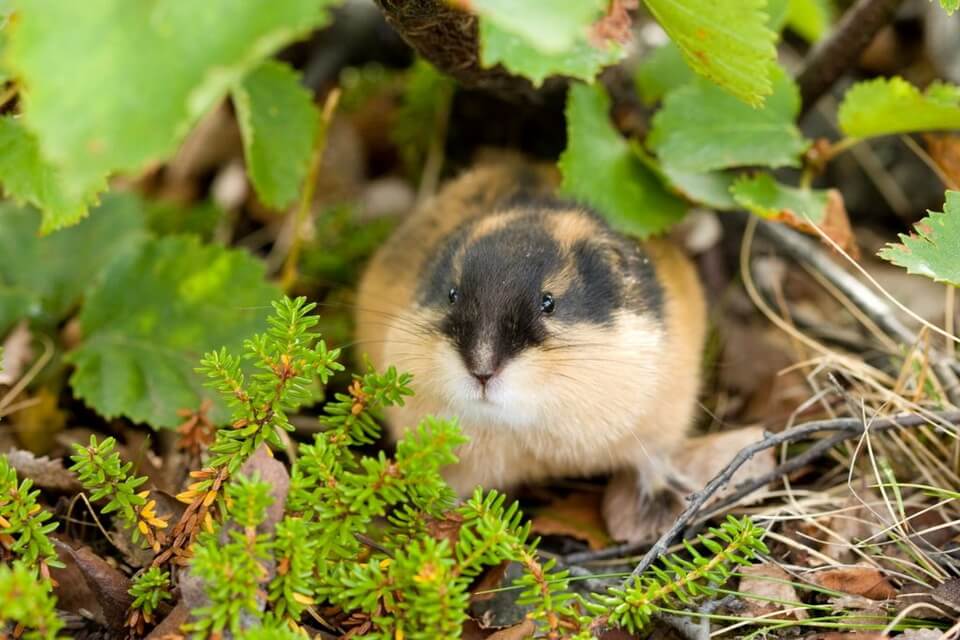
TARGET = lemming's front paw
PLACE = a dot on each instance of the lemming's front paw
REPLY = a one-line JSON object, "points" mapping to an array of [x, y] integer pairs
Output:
{"points": [[634, 514]]}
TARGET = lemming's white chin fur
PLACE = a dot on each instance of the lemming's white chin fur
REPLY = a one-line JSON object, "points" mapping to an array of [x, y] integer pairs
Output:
{"points": [[580, 402]]}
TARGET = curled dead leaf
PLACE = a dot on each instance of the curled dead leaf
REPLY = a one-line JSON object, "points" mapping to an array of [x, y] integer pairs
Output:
{"points": [[45, 473], [857, 580], [89, 583], [773, 592], [945, 151], [835, 223], [523, 630], [577, 515], [615, 25]]}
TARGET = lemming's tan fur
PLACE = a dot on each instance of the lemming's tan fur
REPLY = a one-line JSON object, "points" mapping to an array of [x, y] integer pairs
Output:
{"points": [[612, 398]]}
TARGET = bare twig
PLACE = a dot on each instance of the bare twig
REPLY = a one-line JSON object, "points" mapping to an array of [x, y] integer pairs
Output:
{"points": [[841, 49], [289, 274], [849, 427], [808, 252], [844, 429]]}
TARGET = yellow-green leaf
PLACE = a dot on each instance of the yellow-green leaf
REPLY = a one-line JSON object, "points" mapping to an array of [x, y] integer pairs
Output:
{"points": [[600, 169], [727, 41], [278, 120], [933, 250], [886, 106]]}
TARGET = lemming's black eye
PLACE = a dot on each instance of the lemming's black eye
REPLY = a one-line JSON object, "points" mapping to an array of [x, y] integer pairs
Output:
{"points": [[453, 295], [547, 305]]}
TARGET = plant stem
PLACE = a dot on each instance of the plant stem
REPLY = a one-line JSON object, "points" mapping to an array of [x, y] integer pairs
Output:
{"points": [[845, 429], [289, 275], [839, 51]]}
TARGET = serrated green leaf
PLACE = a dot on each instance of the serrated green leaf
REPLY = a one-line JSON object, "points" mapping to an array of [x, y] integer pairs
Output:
{"points": [[765, 197], [153, 315], [278, 121], [581, 60], [727, 41], [711, 189], [892, 105], [115, 85], [702, 128], [28, 179], [600, 169], [950, 6], [777, 13], [810, 19], [934, 249], [44, 278], [550, 26], [661, 71]]}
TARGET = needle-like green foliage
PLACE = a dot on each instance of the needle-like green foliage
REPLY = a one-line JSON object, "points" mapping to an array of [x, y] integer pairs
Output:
{"points": [[232, 561], [27, 603], [149, 589], [381, 537], [679, 580], [100, 471], [24, 526]]}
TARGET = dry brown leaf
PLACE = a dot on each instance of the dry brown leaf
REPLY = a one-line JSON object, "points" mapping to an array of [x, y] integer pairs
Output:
{"points": [[948, 594], [616, 24], [848, 635], [835, 224], [770, 582], [523, 630], [945, 151], [857, 580], [37, 425], [491, 579], [707, 455], [169, 629], [577, 515], [16, 353], [89, 583], [45, 473]]}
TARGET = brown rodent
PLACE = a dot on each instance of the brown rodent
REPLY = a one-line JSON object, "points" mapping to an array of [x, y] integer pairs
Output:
{"points": [[563, 348]]}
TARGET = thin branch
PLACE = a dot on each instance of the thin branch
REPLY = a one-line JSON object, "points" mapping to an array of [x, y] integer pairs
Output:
{"points": [[806, 251], [847, 427], [844, 429], [842, 47]]}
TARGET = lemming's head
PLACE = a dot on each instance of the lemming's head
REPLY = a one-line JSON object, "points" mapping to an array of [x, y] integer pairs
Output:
{"points": [[531, 305]]}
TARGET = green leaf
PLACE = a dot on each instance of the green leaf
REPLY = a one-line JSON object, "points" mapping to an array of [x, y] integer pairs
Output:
{"points": [[777, 13], [702, 128], [115, 85], [950, 6], [765, 197], [27, 178], [581, 60], [600, 169], [934, 250], [151, 318], [892, 105], [810, 19], [278, 120], [727, 41], [711, 189], [44, 277], [550, 26], [661, 71]]}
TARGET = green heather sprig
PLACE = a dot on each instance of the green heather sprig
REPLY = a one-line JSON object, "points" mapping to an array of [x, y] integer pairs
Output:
{"points": [[148, 590], [100, 471], [680, 580], [288, 357], [27, 605], [232, 562], [24, 526]]}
